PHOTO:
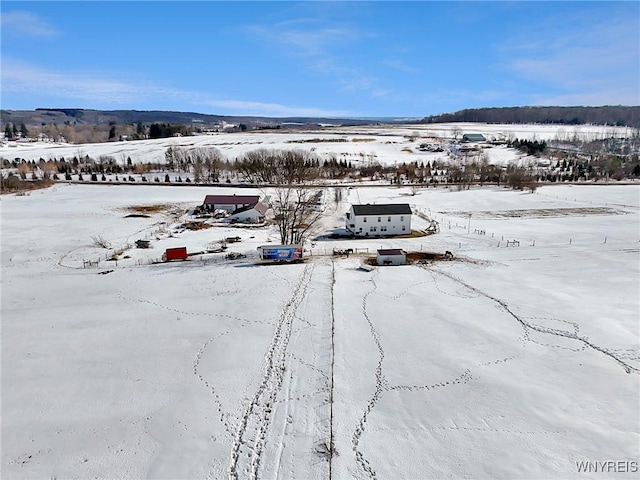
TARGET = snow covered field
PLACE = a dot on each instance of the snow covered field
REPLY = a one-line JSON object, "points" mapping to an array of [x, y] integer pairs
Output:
{"points": [[386, 145], [508, 362]]}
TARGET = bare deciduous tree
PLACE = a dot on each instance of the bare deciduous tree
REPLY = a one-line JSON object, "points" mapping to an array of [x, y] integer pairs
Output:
{"points": [[297, 211], [519, 178], [297, 208], [456, 132]]}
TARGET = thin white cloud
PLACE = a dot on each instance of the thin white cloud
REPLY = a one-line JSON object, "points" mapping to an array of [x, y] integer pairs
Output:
{"points": [[25, 23], [274, 109], [19, 78], [585, 61], [401, 66], [606, 96], [486, 97], [321, 49], [22, 78]]}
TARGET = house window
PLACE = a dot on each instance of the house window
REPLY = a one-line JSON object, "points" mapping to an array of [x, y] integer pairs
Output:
{"points": [[379, 218], [388, 219], [383, 229], [403, 228], [373, 229], [402, 219], [364, 219]]}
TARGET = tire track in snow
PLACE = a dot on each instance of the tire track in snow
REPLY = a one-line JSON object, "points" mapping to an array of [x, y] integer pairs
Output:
{"points": [[537, 328], [250, 436]]}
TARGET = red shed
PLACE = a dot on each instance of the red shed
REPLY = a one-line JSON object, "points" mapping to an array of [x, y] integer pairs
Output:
{"points": [[179, 253]]}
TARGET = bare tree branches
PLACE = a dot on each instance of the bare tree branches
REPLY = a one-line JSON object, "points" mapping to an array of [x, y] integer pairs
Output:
{"points": [[297, 211], [278, 167]]}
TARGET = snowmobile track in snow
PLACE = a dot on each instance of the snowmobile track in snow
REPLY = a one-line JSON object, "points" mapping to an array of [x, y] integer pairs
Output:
{"points": [[537, 328]]}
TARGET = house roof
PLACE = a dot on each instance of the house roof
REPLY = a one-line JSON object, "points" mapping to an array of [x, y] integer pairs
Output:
{"points": [[261, 208], [382, 209], [231, 199], [391, 251]]}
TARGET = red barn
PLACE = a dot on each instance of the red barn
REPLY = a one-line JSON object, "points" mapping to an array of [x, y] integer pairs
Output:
{"points": [[179, 253]]}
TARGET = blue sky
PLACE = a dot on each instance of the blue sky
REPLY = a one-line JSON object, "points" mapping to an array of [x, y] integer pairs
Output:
{"points": [[359, 59]]}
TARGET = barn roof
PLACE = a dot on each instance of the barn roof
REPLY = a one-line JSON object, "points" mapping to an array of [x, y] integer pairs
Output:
{"points": [[382, 209], [473, 137], [231, 199]]}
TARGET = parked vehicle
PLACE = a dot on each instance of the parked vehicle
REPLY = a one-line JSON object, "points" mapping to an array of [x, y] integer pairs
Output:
{"points": [[280, 253]]}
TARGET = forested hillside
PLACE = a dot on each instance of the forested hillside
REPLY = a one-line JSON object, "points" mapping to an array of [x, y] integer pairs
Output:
{"points": [[608, 115]]}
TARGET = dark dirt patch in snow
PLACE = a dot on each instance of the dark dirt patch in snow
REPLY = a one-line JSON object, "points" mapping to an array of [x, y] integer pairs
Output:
{"points": [[160, 207]]}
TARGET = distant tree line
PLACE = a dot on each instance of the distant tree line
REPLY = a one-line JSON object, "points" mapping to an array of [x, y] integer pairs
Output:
{"points": [[165, 130], [541, 161], [607, 115], [530, 147]]}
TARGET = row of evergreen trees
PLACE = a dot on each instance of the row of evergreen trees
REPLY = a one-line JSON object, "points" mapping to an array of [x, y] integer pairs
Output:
{"points": [[11, 130]]}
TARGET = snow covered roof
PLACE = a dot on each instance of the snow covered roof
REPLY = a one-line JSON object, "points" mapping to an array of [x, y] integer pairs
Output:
{"points": [[382, 209]]}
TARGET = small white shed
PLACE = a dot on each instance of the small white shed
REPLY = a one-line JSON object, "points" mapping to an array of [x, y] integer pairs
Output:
{"points": [[391, 256]]}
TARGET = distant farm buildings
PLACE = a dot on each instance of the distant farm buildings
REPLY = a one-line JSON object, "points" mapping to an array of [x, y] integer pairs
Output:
{"points": [[473, 137], [240, 208], [379, 220], [229, 203]]}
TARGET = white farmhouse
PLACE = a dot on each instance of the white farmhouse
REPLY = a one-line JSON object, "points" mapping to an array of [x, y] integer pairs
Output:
{"points": [[379, 220], [249, 214]]}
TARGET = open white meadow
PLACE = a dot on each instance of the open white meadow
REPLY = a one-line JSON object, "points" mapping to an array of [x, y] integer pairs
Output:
{"points": [[388, 145], [516, 361]]}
